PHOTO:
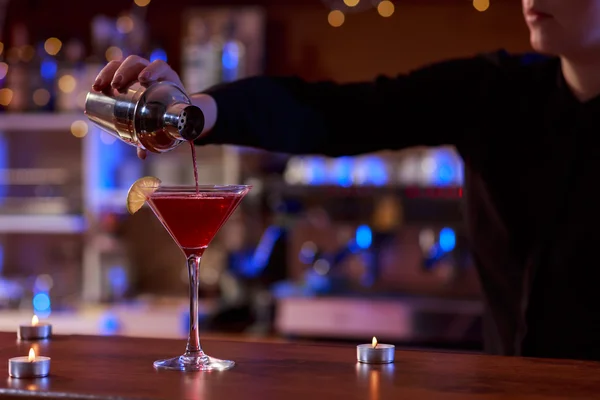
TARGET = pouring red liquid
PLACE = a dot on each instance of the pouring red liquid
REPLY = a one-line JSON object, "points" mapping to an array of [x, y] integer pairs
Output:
{"points": [[195, 164]]}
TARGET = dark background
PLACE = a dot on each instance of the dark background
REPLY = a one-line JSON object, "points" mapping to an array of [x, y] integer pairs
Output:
{"points": [[300, 41]]}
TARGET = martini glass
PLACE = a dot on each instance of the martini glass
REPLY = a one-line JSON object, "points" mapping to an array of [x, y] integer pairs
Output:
{"points": [[192, 216]]}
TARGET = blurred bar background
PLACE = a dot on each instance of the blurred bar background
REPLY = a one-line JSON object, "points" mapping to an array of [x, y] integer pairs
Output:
{"points": [[321, 249]]}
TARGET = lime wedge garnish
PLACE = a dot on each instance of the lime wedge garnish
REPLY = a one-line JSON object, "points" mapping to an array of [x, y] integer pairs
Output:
{"points": [[140, 191]]}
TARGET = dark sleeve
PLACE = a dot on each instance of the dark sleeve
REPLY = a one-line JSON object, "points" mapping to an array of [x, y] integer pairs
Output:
{"points": [[435, 105]]}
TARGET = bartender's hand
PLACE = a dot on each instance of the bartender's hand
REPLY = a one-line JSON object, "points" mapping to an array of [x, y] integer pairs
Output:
{"points": [[120, 74]]}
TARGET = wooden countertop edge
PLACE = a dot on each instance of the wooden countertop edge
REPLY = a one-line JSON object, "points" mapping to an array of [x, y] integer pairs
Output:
{"points": [[19, 394]]}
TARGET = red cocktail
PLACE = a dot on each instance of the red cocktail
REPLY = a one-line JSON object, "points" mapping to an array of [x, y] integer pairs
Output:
{"points": [[193, 215], [193, 218]]}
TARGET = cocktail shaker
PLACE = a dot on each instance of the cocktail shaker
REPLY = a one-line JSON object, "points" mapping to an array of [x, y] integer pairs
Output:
{"points": [[156, 118]]}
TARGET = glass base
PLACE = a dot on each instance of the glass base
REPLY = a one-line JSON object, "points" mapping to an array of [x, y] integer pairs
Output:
{"points": [[194, 363]]}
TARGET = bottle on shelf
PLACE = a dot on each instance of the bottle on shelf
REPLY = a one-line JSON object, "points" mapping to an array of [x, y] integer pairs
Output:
{"points": [[44, 74], [116, 271], [19, 56], [232, 54], [200, 53], [71, 83], [100, 33], [132, 27]]}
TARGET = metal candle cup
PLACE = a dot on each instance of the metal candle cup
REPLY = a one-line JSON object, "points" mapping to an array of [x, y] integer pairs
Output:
{"points": [[29, 367], [375, 353], [35, 331]]}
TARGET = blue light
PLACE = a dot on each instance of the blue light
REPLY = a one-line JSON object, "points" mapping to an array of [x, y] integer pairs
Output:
{"points": [[231, 55], [1, 259], [158, 54], [41, 303], [376, 171], [447, 239], [364, 236], [263, 251], [118, 280], [48, 68], [109, 324], [317, 168], [342, 171], [286, 289], [317, 283], [185, 322], [230, 61], [445, 172], [111, 158], [434, 255]]}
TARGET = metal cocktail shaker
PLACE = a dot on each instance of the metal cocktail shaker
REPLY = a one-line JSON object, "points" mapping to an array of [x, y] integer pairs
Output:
{"points": [[157, 118]]}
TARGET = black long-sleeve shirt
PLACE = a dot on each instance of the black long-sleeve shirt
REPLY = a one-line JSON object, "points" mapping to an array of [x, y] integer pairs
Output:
{"points": [[530, 163]]}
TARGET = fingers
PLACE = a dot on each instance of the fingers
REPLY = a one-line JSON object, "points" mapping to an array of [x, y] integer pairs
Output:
{"points": [[128, 71], [157, 71], [120, 74], [141, 153], [106, 75]]}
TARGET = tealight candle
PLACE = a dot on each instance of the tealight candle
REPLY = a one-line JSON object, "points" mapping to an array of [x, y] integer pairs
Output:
{"points": [[36, 331], [31, 366], [375, 353]]}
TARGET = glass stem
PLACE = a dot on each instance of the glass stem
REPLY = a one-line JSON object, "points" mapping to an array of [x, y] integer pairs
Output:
{"points": [[193, 345]]}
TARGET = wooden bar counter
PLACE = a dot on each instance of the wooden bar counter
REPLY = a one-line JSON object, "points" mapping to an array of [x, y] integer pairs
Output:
{"points": [[89, 367]]}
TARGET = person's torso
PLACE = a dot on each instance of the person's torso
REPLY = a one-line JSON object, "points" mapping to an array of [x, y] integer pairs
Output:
{"points": [[533, 219]]}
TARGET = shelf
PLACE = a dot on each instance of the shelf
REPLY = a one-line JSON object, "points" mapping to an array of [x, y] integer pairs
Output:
{"points": [[39, 121], [139, 320], [400, 319], [34, 176], [58, 224]]}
